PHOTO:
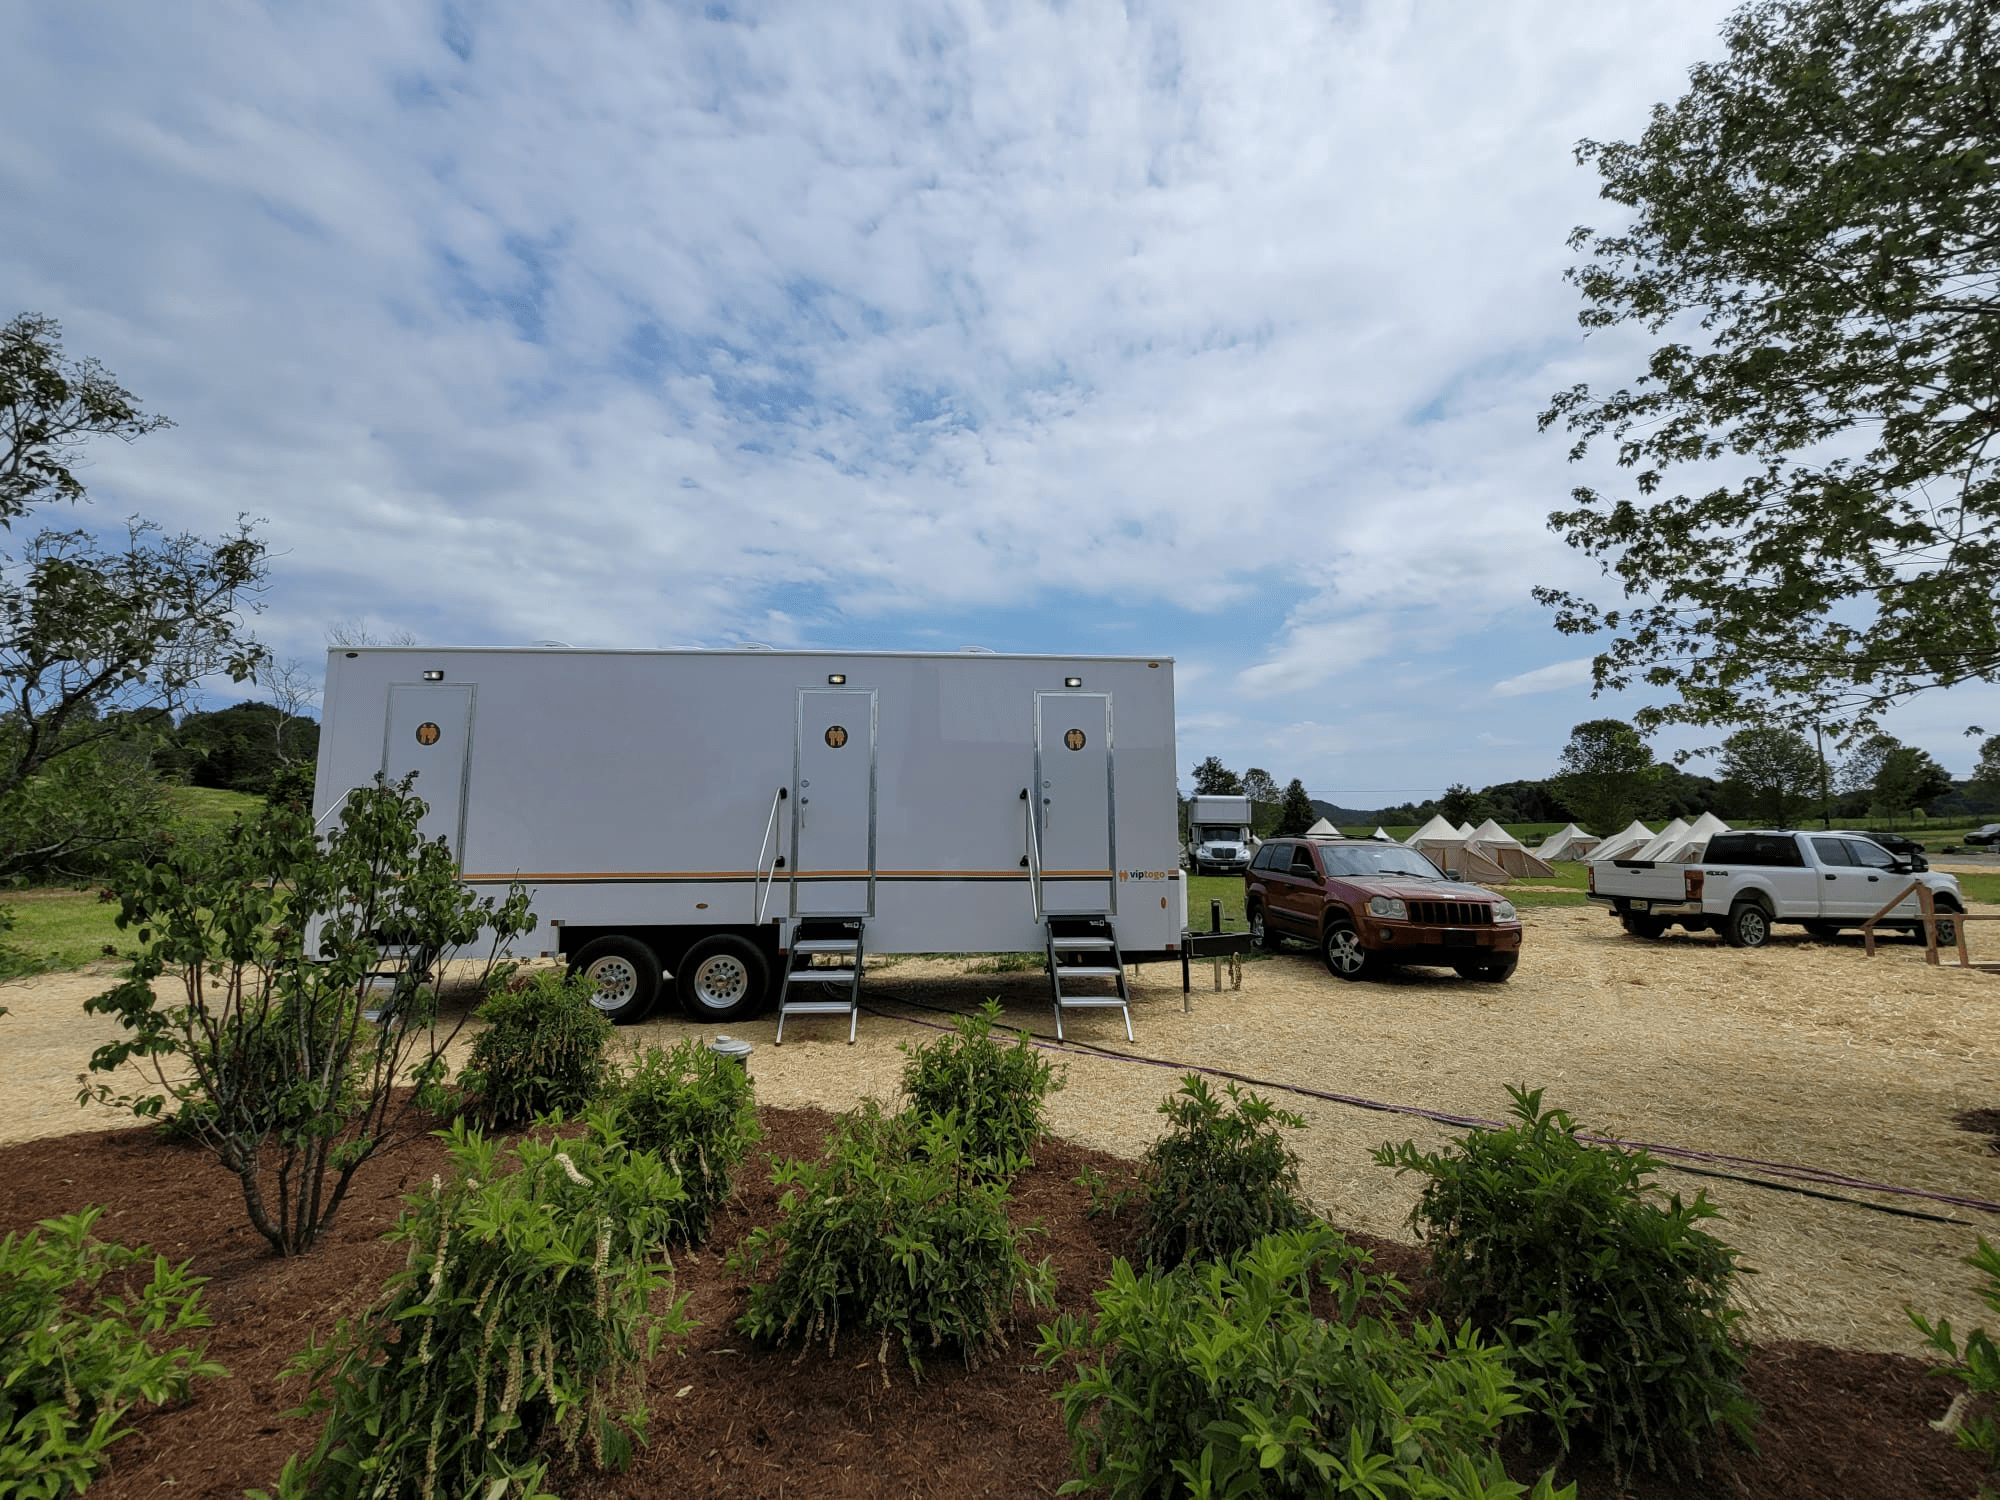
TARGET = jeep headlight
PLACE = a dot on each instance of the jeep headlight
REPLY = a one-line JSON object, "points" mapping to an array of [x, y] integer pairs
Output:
{"points": [[1503, 911], [1388, 906]]}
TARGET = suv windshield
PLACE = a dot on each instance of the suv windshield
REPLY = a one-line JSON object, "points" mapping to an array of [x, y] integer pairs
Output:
{"points": [[1376, 859]]}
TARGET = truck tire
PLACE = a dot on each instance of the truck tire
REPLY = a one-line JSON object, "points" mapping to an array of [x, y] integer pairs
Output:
{"points": [[1340, 947], [1749, 926], [1640, 925], [1947, 932], [1496, 971], [722, 978], [626, 973], [1261, 934]]}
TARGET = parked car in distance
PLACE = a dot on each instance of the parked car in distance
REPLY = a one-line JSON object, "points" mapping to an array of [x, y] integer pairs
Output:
{"points": [[1365, 904], [1751, 879], [1908, 850], [1988, 835]]}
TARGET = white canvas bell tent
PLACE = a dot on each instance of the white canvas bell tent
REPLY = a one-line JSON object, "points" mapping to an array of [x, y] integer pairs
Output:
{"points": [[1475, 862], [1466, 830], [1635, 837], [1322, 829], [1569, 843], [1381, 835], [1491, 832], [1434, 832], [1690, 846], [1500, 846], [1656, 847]]}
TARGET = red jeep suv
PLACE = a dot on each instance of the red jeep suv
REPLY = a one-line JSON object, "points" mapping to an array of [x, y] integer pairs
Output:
{"points": [[1364, 903]]}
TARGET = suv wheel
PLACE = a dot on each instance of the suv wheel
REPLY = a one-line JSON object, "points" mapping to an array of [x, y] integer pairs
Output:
{"points": [[1262, 935], [1749, 926], [1341, 947]]}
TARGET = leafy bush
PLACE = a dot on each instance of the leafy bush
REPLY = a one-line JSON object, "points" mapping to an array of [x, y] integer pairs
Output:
{"points": [[543, 1050], [1618, 1301], [1977, 1364], [1217, 1379], [996, 1092], [522, 1323], [223, 925], [73, 1362], [697, 1112], [15, 961], [892, 1230], [1221, 1179]]}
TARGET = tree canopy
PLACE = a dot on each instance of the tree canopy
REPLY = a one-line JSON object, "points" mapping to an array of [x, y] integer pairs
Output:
{"points": [[1815, 240], [1774, 772], [1606, 775], [1296, 814], [1213, 779]]}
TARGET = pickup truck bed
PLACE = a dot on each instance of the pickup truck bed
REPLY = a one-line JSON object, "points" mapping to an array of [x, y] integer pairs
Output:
{"points": [[1749, 881]]}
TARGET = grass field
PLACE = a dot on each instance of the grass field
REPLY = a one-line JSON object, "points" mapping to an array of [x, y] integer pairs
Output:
{"points": [[61, 929], [208, 806]]}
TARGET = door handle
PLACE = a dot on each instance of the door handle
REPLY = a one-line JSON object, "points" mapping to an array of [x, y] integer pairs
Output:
{"points": [[1833, 877]]}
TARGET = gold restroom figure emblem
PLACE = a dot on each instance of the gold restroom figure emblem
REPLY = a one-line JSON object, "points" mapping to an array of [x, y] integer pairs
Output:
{"points": [[1074, 739], [428, 733], [836, 736]]}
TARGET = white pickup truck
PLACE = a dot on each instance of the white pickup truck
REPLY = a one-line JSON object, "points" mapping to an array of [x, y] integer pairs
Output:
{"points": [[1746, 882]]}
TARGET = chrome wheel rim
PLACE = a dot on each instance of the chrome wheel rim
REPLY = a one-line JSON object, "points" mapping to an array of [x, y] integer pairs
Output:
{"points": [[617, 981], [1753, 928], [721, 981], [1257, 925], [1343, 950]]}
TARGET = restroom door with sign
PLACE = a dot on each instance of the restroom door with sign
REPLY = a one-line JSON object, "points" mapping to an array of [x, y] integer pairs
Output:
{"points": [[1073, 774], [430, 733], [833, 804]]}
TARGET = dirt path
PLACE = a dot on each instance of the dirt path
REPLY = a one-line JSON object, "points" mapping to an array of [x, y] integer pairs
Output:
{"points": [[1802, 1052]]}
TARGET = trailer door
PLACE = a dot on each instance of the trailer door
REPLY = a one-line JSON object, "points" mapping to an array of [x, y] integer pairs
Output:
{"points": [[430, 733], [1073, 770], [833, 804]]}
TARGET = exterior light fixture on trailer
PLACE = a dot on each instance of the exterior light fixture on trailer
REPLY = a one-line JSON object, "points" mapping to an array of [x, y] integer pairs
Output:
{"points": [[433, 676], [1072, 682], [836, 679]]}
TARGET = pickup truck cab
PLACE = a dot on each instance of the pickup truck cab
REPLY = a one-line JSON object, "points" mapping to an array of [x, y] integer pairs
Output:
{"points": [[1748, 882], [1364, 904]]}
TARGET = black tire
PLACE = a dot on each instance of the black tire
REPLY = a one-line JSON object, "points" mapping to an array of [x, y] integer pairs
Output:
{"points": [[1749, 926], [1340, 949], [722, 978], [1947, 932], [627, 974], [1261, 933], [1497, 971], [1640, 925]]}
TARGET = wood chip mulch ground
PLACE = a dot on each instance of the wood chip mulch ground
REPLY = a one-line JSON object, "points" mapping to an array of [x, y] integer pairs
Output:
{"points": [[755, 1422]]}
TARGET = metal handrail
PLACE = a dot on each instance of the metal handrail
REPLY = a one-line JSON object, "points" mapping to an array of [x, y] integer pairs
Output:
{"points": [[1034, 855], [337, 801], [768, 879]]}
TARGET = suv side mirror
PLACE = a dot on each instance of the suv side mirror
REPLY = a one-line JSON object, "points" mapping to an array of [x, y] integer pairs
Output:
{"points": [[1453, 875]]}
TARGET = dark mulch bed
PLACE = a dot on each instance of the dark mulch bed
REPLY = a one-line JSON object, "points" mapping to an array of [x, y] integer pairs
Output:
{"points": [[757, 1422]]}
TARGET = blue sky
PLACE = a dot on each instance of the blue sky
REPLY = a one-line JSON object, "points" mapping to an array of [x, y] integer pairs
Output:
{"points": [[1199, 330]]}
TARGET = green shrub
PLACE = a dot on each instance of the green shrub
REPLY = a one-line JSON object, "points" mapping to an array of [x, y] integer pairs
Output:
{"points": [[892, 1231], [263, 1068], [1977, 1365], [1217, 1380], [521, 1326], [73, 1361], [1221, 1179], [997, 1092], [1618, 1301], [15, 961], [697, 1112], [544, 1049]]}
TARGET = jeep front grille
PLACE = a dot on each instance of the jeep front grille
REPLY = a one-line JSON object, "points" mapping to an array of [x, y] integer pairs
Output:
{"points": [[1451, 913]]}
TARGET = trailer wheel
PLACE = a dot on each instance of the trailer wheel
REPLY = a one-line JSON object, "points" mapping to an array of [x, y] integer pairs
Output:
{"points": [[1749, 926], [722, 978], [1261, 934], [626, 973]]}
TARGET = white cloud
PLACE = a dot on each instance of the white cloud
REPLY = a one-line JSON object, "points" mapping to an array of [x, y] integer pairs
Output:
{"points": [[1549, 679], [634, 325]]}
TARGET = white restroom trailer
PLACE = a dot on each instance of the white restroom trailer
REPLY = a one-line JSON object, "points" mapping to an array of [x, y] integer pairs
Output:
{"points": [[746, 825]]}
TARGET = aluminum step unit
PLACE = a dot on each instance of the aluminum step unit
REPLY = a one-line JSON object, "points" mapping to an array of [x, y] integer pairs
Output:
{"points": [[1084, 947], [823, 972]]}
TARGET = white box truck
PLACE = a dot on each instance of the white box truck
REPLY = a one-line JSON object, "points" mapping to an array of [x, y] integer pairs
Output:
{"points": [[747, 825], [1219, 841]]}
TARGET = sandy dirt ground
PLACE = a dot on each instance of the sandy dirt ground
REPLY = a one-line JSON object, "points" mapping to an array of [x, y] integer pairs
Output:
{"points": [[1803, 1052]]}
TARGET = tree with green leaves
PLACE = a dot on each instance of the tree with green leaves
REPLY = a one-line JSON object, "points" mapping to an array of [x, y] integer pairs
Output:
{"points": [[1606, 776], [1814, 238], [1296, 813], [1896, 778], [1460, 805], [1213, 779], [1986, 775], [1262, 790], [1772, 773], [49, 407]]}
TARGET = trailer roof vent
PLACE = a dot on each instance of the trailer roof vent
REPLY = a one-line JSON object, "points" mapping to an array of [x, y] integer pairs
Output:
{"points": [[554, 645], [977, 650], [755, 646]]}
